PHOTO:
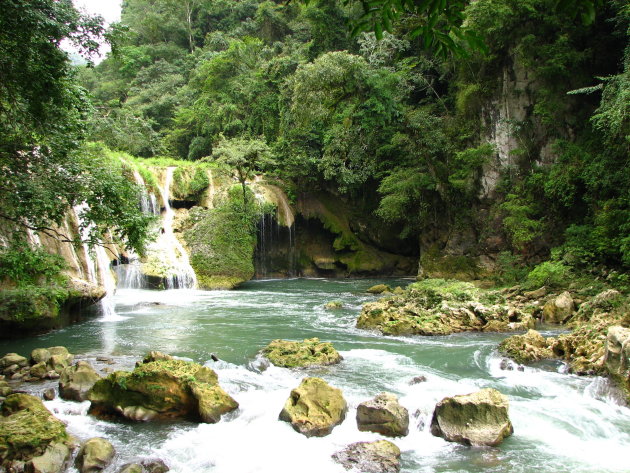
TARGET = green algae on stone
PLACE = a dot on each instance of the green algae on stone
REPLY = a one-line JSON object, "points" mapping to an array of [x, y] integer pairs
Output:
{"points": [[162, 389], [292, 354], [314, 408], [27, 428]]}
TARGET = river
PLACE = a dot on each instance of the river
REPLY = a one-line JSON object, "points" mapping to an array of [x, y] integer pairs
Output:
{"points": [[562, 423]]}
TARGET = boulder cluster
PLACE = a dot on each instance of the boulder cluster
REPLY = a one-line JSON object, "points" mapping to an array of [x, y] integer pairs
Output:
{"points": [[441, 308], [44, 363]]}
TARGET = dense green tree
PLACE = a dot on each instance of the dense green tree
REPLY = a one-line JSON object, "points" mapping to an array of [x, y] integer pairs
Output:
{"points": [[43, 172], [245, 156]]}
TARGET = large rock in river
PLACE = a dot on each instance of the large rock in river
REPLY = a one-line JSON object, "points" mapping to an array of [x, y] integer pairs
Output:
{"points": [[31, 435], [310, 352], [76, 381], [314, 408], [480, 418], [95, 455], [383, 415], [370, 457], [162, 389]]}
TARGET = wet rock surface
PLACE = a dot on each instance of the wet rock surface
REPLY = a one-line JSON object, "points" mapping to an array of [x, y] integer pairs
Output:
{"points": [[479, 418], [314, 408]]}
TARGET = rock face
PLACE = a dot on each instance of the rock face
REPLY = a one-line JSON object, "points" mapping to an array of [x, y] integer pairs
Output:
{"points": [[439, 307], [95, 455], [162, 389], [617, 357], [480, 418], [310, 352], [370, 457], [383, 415], [526, 348], [76, 381], [314, 408], [29, 433], [558, 310]]}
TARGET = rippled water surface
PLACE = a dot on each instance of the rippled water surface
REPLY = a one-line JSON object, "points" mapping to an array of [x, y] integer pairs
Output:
{"points": [[562, 423]]}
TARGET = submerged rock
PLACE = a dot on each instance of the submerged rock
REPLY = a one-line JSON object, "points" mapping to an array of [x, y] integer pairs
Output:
{"points": [[310, 352], [559, 309], [31, 435], [383, 415], [314, 408], [95, 455], [76, 381], [332, 305], [479, 418], [145, 466], [370, 457], [526, 348], [162, 389]]}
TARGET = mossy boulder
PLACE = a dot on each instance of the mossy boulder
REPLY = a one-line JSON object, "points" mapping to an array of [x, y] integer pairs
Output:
{"points": [[480, 418], [162, 389], [526, 348], [333, 305], [381, 456], [383, 415], [29, 433], [379, 289], [40, 355], [310, 352], [314, 408], [559, 309], [76, 381], [95, 455]]}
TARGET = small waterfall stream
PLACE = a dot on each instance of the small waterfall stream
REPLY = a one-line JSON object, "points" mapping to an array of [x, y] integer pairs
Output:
{"points": [[180, 275], [98, 268]]}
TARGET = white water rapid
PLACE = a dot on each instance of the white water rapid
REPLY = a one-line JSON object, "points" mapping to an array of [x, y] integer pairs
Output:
{"points": [[562, 423]]}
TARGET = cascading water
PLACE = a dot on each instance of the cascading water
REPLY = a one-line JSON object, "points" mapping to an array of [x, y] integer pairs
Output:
{"points": [[275, 246], [97, 260], [179, 273]]}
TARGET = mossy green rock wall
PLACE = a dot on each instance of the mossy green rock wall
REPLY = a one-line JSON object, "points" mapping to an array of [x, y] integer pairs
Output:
{"points": [[221, 245]]}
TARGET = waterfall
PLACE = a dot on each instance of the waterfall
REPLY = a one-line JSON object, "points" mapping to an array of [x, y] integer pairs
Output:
{"points": [[148, 200], [98, 261], [180, 274]]}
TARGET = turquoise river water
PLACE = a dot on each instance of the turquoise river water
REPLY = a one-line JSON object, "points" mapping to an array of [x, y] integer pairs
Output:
{"points": [[562, 423]]}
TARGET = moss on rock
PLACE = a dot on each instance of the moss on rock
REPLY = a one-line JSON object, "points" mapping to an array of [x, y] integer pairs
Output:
{"points": [[314, 408], [161, 389], [27, 429], [310, 352], [441, 307], [221, 243]]}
